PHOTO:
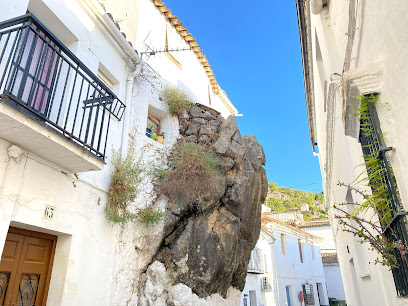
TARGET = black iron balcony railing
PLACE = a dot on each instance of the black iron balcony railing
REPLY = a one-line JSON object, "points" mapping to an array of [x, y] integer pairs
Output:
{"points": [[44, 79]]}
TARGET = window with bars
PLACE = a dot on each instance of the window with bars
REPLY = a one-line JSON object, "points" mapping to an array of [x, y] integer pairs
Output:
{"points": [[374, 148]]}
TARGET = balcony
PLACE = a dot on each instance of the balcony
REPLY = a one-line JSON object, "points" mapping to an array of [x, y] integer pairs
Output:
{"points": [[256, 263], [51, 104]]}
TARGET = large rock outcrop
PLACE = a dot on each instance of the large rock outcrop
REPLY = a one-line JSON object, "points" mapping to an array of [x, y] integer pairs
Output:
{"points": [[206, 245]]}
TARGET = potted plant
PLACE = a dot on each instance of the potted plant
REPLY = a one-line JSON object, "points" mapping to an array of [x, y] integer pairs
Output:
{"points": [[160, 137], [149, 130]]}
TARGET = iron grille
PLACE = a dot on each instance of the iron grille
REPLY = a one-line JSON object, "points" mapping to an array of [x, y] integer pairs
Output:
{"points": [[373, 145], [308, 294], [28, 289], [42, 78], [4, 282]]}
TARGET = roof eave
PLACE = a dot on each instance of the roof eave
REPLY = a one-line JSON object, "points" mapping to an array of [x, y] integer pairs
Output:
{"points": [[305, 46]]}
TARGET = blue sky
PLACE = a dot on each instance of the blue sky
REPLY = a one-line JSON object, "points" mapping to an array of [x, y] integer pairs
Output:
{"points": [[253, 48]]}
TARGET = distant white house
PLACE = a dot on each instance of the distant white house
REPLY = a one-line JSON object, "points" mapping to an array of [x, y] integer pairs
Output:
{"points": [[330, 261], [296, 276], [334, 280], [261, 282]]}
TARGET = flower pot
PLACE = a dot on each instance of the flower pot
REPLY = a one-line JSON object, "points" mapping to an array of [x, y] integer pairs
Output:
{"points": [[148, 132], [160, 139]]}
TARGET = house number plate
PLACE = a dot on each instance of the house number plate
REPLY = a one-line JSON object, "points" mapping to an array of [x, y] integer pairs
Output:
{"points": [[49, 212]]}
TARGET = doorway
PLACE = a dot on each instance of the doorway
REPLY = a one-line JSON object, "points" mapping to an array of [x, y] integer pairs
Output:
{"points": [[252, 298], [288, 295], [320, 293], [25, 267]]}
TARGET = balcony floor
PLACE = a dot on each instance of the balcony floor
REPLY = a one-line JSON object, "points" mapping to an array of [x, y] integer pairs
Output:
{"points": [[33, 137]]}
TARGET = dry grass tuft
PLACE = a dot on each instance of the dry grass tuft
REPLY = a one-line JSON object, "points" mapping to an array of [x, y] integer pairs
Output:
{"points": [[177, 100], [195, 172]]}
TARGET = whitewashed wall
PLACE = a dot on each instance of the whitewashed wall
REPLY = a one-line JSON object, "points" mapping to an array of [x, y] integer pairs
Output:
{"points": [[292, 272], [253, 281], [147, 32], [332, 272], [377, 44], [86, 242], [325, 232], [334, 281]]}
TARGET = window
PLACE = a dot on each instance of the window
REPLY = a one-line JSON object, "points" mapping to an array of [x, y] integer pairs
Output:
{"points": [[283, 243], [300, 250], [153, 129], [105, 80], [106, 77], [255, 263], [373, 145]]}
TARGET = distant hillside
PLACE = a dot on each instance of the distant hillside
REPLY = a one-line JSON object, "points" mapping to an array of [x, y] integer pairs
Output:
{"points": [[282, 198]]}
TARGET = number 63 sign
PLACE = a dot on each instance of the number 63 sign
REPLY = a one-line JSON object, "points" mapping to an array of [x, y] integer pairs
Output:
{"points": [[49, 212]]}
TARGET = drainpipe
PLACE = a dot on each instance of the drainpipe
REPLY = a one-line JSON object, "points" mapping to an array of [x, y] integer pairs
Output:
{"points": [[306, 51], [128, 103]]}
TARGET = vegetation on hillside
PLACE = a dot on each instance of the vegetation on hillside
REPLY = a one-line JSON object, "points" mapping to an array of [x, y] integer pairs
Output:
{"points": [[283, 198]]}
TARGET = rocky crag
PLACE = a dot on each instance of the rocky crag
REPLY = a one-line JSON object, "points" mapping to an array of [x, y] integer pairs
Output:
{"points": [[206, 245]]}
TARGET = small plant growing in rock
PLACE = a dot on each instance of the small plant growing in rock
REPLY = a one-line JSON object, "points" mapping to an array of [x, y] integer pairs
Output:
{"points": [[177, 100], [159, 174], [126, 175], [150, 215]]}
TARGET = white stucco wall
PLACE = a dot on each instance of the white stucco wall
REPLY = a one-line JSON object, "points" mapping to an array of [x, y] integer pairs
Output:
{"points": [[292, 272], [253, 281], [149, 34], [327, 245], [334, 281], [86, 242], [377, 41]]}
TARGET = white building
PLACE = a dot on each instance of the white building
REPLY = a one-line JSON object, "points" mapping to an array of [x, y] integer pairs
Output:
{"points": [[72, 88], [261, 281], [297, 271], [332, 272], [350, 51]]}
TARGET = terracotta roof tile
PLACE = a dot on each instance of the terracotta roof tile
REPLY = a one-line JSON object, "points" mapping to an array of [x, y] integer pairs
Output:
{"points": [[314, 223], [190, 40], [282, 211], [265, 220], [329, 258]]}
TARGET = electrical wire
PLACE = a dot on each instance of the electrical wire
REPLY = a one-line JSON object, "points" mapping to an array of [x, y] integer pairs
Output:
{"points": [[305, 185]]}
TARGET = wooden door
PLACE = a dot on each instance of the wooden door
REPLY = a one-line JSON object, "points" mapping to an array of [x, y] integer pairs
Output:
{"points": [[25, 268]]}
